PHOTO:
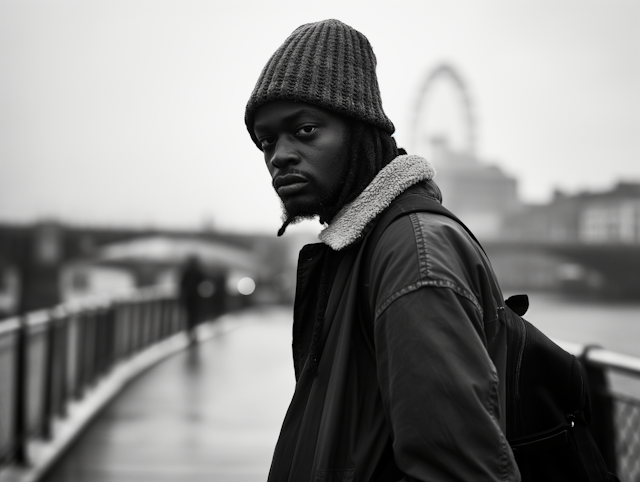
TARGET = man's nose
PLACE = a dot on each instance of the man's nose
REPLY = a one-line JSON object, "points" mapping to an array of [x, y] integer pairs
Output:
{"points": [[284, 153]]}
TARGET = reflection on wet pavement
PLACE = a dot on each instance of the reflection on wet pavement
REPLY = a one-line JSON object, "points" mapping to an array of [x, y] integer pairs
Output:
{"points": [[210, 413]]}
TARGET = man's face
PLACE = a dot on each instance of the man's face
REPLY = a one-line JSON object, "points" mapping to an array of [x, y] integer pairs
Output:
{"points": [[305, 149]]}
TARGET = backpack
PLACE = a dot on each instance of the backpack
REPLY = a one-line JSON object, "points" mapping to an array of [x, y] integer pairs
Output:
{"points": [[547, 401]]}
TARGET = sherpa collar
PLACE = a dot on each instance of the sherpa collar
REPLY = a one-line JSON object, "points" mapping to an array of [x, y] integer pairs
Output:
{"points": [[401, 173]]}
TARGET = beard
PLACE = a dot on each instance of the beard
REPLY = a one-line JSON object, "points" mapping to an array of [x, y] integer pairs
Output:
{"points": [[294, 211]]}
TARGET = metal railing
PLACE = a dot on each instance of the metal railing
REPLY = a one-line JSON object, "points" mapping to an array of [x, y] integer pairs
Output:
{"points": [[49, 359], [622, 393]]}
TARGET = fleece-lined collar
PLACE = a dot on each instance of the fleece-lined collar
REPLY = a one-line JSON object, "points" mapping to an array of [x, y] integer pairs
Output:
{"points": [[401, 173]]}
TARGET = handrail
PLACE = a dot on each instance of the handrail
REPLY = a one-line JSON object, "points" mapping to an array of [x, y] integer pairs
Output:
{"points": [[619, 406], [55, 357], [35, 318], [141, 294], [615, 361], [603, 358], [9, 324], [60, 365]]}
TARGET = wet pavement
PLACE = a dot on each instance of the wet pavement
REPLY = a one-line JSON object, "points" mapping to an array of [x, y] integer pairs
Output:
{"points": [[211, 413]]}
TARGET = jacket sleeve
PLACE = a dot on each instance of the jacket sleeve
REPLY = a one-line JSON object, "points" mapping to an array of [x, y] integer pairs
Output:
{"points": [[438, 384]]}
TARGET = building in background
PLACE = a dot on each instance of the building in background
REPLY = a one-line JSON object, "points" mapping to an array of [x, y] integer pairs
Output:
{"points": [[587, 243], [480, 194], [607, 217], [611, 217]]}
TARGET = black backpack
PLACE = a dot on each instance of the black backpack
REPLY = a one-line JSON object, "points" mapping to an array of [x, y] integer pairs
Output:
{"points": [[548, 409]]}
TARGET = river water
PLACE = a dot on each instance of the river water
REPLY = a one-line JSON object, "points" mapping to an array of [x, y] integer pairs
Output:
{"points": [[614, 326]]}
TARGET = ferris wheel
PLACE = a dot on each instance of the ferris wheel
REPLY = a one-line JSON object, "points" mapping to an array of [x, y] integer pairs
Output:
{"points": [[447, 73]]}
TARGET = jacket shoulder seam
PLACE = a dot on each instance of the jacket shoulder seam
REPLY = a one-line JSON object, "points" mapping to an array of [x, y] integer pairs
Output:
{"points": [[421, 246], [437, 283]]}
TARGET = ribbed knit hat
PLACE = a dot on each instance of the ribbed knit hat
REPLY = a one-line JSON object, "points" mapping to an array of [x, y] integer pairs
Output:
{"points": [[328, 64]]}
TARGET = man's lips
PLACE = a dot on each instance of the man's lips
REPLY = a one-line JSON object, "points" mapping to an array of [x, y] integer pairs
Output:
{"points": [[289, 183]]}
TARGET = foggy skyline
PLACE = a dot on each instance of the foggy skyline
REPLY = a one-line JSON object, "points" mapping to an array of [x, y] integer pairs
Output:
{"points": [[131, 113]]}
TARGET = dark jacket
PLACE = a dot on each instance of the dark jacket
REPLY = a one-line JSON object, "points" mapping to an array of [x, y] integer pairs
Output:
{"points": [[408, 385]]}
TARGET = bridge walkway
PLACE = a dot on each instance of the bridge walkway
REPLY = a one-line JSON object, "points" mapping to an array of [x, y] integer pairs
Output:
{"points": [[209, 413]]}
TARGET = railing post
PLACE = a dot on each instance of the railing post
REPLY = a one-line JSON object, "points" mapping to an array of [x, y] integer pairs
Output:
{"points": [[101, 342], [166, 317], [65, 391], [82, 362], [92, 347], [137, 325], [49, 374], [127, 328], [20, 426], [112, 339], [75, 361]]}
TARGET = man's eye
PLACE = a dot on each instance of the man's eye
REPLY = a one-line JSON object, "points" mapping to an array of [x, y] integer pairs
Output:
{"points": [[306, 130], [266, 141]]}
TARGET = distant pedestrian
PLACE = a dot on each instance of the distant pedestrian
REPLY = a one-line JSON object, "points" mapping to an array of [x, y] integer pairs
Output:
{"points": [[191, 278], [398, 351]]}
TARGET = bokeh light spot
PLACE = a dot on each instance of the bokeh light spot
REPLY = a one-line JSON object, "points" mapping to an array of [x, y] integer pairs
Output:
{"points": [[246, 286]]}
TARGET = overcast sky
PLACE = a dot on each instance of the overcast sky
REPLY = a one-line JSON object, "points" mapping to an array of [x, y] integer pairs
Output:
{"points": [[131, 112]]}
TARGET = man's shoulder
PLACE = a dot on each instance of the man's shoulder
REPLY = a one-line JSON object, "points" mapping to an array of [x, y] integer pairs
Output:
{"points": [[421, 203], [435, 232], [426, 247]]}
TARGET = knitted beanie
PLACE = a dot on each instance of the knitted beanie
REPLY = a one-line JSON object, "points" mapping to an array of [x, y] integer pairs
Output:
{"points": [[328, 64]]}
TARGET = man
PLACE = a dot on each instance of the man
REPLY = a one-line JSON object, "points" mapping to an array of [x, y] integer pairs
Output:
{"points": [[399, 348]]}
